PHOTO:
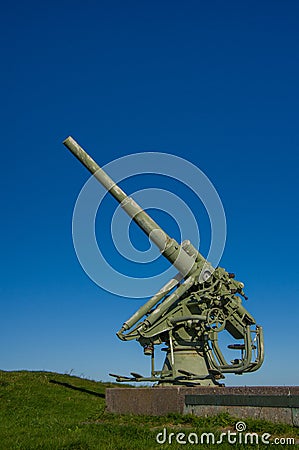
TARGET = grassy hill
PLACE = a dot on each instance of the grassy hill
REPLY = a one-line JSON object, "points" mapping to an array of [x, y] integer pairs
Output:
{"points": [[49, 411]]}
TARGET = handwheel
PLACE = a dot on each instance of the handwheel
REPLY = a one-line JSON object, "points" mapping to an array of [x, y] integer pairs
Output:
{"points": [[216, 319]]}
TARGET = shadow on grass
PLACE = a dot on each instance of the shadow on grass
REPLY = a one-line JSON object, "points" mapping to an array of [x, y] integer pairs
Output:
{"points": [[76, 388]]}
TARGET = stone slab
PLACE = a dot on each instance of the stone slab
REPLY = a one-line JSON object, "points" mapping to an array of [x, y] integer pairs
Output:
{"points": [[154, 401], [172, 399]]}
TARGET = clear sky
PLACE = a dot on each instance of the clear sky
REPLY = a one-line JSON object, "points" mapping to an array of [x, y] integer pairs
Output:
{"points": [[213, 82]]}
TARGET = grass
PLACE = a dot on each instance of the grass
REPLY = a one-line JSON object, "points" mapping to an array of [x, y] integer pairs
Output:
{"points": [[50, 411]]}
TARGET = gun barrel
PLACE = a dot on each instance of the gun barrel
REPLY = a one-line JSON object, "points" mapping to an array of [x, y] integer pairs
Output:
{"points": [[169, 248]]}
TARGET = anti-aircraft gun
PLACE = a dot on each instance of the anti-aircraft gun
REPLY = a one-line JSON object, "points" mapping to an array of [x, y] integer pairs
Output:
{"points": [[189, 312]]}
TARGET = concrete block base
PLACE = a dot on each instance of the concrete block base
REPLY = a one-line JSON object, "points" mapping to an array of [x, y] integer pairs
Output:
{"points": [[278, 404]]}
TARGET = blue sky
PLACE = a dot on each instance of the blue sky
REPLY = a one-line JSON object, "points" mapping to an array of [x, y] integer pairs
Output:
{"points": [[215, 83]]}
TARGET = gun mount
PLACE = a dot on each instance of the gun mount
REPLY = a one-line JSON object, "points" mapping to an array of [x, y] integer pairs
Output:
{"points": [[189, 312]]}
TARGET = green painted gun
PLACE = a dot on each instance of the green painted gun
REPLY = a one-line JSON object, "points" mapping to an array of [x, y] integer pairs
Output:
{"points": [[189, 312]]}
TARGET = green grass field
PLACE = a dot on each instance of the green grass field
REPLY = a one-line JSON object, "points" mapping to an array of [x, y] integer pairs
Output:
{"points": [[43, 410]]}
